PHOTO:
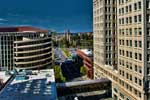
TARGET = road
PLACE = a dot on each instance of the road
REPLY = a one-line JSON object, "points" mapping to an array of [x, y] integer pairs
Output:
{"points": [[59, 54], [69, 68]]}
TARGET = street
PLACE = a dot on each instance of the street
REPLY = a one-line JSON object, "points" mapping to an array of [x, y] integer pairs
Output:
{"points": [[69, 68]]}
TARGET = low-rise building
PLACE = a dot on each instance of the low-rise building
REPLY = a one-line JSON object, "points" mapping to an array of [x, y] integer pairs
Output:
{"points": [[39, 85], [87, 57]]}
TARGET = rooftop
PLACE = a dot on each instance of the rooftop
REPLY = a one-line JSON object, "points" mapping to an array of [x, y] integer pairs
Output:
{"points": [[34, 88], [21, 29], [3, 76], [87, 52]]}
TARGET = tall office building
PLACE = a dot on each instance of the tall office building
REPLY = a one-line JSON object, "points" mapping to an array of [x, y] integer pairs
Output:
{"points": [[24, 48], [131, 77]]}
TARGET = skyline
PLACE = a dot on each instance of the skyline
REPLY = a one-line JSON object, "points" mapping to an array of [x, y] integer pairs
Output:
{"points": [[75, 15]]}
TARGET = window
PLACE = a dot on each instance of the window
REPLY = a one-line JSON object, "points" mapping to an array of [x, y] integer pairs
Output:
{"points": [[121, 95], [148, 71], [135, 43], [135, 55], [127, 75], [140, 69], [148, 4], [140, 18], [127, 65], [130, 54], [122, 42], [123, 52], [130, 43], [140, 44], [148, 31], [140, 82], [135, 80], [148, 44], [115, 90], [148, 58], [130, 31], [122, 20], [122, 10], [130, 19], [127, 42], [148, 18], [135, 31], [135, 19], [120, 52], [139, 5], [130, 8], [127, 20], [127, 53], [126, 31], [140, 31], [136, 68], [126, 9], [130, 66], [130, 77], [135, 6], [140, 56]]}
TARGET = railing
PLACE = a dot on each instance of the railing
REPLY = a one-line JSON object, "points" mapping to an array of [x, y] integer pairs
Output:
{"points": [[6, 83]]}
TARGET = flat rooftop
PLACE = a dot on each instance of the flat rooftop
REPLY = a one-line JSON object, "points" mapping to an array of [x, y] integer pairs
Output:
{"points": [[34, 88], [4, 77], [21, 29], [88, 52]]}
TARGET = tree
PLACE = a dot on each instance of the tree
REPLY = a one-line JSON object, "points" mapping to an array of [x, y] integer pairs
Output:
{"points": [[83, 70], [58, 74]]}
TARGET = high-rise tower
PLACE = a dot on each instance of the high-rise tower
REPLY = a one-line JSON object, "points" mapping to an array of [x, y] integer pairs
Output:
{"points": [[121, 46]]}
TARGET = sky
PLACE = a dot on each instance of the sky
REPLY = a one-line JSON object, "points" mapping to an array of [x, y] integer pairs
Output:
{"points": [[56, 15]]}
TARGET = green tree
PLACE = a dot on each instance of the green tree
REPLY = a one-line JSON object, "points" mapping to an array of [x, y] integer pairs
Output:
{"points": [[83, 70], [58, 74]]}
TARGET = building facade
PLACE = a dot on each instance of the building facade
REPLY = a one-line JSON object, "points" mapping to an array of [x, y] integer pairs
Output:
{"points": [[25, 48], [87, 59], [130, 78]]}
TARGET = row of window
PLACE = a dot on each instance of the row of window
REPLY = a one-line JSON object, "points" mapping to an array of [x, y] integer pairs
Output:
{"points": [[130, 88], [129, 77], [129, 20], [123, 1], [98, 11], [136, 6], [129, 31], [129, 43], [137, 69], [110, 9], [110, 1]]}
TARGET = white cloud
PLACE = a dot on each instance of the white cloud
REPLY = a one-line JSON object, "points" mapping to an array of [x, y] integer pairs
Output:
{"points": [[1, 19]]}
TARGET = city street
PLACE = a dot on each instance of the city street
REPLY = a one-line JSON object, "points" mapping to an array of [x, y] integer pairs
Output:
{"points": [[69, 68]]}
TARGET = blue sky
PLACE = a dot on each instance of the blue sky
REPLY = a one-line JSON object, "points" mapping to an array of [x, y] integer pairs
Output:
{"points": [[58, 15]]}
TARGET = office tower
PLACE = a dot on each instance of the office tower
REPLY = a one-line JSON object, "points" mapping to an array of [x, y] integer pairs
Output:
{"points": [[130, 78], [105, 32], [24, 48]]}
